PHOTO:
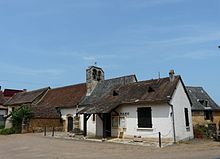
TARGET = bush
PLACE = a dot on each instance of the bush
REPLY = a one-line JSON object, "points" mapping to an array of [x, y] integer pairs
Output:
{"points": [[7, 131], [2, 126]]}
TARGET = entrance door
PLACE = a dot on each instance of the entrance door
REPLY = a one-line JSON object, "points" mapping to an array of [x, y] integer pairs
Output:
{"points": [[107, 125], [70, 124]]}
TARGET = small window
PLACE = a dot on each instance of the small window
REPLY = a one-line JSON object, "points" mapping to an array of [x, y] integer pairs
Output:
{"points": [[150, 89], [186, 116], [208, 115], [115, 121], [144, 117], [115, 93], [13, 108]]}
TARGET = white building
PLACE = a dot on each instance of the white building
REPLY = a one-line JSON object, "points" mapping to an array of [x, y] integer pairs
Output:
{"points": [[123, 107]]}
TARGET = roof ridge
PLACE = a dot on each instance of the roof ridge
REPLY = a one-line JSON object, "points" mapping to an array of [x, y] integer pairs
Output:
{"points": [[68, 86], [119, 77]]}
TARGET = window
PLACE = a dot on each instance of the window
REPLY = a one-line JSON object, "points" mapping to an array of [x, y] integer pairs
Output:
{"points": [[115, 93], [115, 121], [208, 115], [203, 102], [186, 117], [144, 117]]}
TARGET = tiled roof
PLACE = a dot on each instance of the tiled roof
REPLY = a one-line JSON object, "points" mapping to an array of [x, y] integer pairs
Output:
{"points": [[63, 97], [150, 91], [103, 87], [25, 97], [197, 94], [2, 98], [11, 92]]}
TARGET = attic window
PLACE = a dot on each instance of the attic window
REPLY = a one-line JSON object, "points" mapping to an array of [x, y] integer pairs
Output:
{"points": [[150, 89], [115, 93], [203, 102]]}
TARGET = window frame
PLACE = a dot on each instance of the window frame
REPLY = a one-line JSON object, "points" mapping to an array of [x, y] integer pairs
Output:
{"points": [[144, 122]]}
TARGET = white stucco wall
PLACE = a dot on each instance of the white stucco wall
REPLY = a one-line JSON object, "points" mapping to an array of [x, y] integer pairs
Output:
{"points": [[161, 121], [179, 102], [66, 112]]}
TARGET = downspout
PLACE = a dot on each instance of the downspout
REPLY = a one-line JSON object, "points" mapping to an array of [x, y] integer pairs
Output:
{"points": [[174, 130]]}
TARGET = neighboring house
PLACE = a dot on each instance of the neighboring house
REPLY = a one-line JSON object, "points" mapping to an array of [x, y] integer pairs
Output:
{"points": [[23, 98], [204, 108], [4, 96], [3, 110], [59, 103], [126, 108]]}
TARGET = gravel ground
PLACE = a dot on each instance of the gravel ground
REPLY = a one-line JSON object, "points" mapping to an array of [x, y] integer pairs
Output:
{"points": [[35, 146]]}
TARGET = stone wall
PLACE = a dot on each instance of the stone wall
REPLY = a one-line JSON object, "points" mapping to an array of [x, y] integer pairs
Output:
{"points": [[198, 118], [38, 125]]}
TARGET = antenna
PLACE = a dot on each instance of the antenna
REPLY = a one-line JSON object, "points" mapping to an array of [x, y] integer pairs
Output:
{"points": [[159, 75]]}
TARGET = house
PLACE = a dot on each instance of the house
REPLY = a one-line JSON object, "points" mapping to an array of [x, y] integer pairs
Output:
{"points": [[97, 89], [58, 103], [4, 96], [3, 110], [125, 108], [204, 108], [23, 98]]}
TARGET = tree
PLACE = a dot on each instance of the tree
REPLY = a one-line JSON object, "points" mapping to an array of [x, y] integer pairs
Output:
{"points": [[20, 116]]}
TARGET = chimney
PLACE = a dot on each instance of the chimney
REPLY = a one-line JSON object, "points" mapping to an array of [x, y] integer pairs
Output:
{"points": [[171, 75]]}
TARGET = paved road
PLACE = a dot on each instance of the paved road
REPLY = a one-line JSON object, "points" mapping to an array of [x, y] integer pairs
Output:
{"points": [[35, 146]]}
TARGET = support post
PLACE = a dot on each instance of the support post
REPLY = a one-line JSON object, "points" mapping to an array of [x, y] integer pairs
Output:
{"points": [[159, 139], [53, 131], [104, 126], [85, 124], [45, 131]]}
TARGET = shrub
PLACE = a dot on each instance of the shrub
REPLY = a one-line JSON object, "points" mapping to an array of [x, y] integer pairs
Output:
{"points": [[7, 131], [2, 126]]}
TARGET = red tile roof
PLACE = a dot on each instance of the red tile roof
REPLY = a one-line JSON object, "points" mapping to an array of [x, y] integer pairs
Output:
{"points": [[63, 97], [11, 92]]}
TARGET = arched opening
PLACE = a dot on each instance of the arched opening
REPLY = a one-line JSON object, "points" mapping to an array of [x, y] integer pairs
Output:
{"points": [[94, 74], [70, 124]]}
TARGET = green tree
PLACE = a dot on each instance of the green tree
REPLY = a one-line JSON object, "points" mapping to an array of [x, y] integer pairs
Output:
{"points": [[20, 116]]}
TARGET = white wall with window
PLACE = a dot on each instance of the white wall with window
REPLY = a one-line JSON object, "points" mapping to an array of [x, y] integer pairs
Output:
{"points": [[145, 120], [182, 114]]}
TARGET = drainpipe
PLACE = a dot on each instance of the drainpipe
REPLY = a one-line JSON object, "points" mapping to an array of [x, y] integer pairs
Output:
{"points": [[174, 131]]}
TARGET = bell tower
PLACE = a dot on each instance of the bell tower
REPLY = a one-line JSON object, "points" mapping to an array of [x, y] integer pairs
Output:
{"points": [[93, 76]]}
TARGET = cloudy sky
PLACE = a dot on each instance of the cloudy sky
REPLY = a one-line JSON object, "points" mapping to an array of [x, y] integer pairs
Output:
{"points": [[52, 42]]}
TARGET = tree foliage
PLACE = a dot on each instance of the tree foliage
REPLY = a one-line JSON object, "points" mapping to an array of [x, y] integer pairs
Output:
{"points": [[20, 116]]}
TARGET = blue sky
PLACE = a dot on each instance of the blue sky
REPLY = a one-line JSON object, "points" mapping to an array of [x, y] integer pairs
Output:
{"points": [[52, 42]]}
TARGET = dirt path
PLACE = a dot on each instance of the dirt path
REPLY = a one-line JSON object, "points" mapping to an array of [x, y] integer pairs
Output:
{"points": [[32, 146]]}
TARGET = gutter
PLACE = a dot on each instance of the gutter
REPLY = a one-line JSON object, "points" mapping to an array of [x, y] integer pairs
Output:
{"points": [[174, 131]]}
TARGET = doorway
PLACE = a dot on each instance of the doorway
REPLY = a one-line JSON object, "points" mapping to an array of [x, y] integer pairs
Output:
{"points": [[70, 124]]}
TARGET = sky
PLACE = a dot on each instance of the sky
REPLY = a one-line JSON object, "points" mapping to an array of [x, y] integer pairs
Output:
{"points": [[52, 42]]}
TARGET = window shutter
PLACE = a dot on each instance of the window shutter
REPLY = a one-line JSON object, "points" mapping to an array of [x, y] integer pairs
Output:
{"points": [[144, 117]]}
